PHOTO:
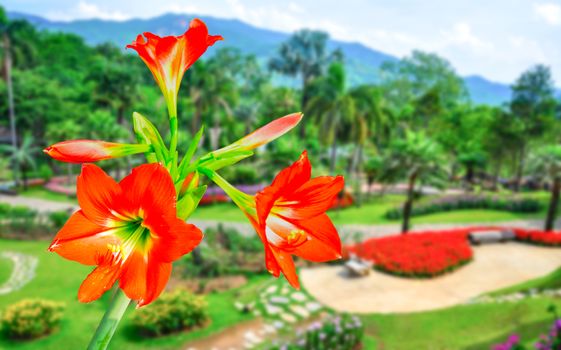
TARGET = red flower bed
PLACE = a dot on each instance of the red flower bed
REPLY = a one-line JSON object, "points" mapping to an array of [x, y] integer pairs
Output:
{"points": [[209, 199], [418, 254], [550, 238]]}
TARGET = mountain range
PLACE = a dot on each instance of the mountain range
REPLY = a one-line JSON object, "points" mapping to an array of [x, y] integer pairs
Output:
{"points": [[362, 62]]}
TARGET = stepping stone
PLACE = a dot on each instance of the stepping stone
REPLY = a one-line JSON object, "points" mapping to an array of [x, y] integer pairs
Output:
{"points": [[300, 311], [288, 318], [271, 289], [279, 300], [313, 306], [272, 309], [299, 296]]}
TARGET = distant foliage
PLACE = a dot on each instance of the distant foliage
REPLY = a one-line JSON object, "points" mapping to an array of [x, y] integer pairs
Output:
{"points": [[515, 205], [24, 222], [31, 318], [171, 312]]}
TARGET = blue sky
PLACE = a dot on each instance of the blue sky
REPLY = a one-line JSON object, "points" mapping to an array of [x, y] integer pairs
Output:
{"points": [[497, 39]]}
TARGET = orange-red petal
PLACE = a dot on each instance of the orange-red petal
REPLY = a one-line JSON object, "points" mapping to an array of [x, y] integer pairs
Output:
{"points": [[313, 198], [96, 192], [172, 238], [286, 265], [98, 282], [157, 277], [148, 187]]}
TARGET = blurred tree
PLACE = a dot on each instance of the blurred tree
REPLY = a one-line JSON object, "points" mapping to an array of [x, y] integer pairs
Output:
{"points": [[332, 106], [24, 156], [533, 107], [546, 164], [305, 55], [416, 159], [422, 84]]}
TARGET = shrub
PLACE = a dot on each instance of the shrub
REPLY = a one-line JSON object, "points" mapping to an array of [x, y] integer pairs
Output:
{"points": [[245, 174], [449, 203], [339, 332], [171, 312], [58, 218], [417, 254], [45, 172], [31, 318]]}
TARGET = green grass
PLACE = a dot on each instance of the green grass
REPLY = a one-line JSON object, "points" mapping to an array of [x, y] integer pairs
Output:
{"points": [[549, 281], [58, 279], [6, 266], [466, 327], [373, 213], [42, 193]]}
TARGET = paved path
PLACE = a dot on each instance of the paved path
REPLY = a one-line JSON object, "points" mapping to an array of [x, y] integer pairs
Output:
{"points": [[495, 266], [41, 205]]}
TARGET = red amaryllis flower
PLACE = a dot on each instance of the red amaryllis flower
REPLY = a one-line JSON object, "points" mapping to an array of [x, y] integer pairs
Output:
{"points": [[292, 219], [130, 230], [87, 151], [169, 57], [289, 217]]}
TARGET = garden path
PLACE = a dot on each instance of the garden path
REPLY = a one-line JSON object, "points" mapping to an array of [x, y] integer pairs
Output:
{"points": [[494, 266]]}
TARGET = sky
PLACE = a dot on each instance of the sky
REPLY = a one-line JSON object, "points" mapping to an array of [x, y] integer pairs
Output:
{"points": [[497, 39]]}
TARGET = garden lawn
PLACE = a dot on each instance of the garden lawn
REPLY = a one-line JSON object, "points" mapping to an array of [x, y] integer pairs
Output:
{"points": [[374, 212], [466, 327], [549, 281], [58, 279], [5, 269]]}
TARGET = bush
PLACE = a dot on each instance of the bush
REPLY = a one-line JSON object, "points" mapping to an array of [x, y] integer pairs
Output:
{"points": [[417, 255], [45, 172], [339, 332], [449, 203], [58, 218], [171, 312], [244, 174], [31, 318]]}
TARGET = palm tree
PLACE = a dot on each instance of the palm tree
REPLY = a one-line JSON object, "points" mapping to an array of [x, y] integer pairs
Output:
{"points": [[546, 164], [8, 78], [332, 107], [304, 55], [414, 158], [24, 156]]}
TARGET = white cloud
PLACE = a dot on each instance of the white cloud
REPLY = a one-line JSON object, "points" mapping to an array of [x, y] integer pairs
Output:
{"points": [[463, 35], [550, 12], [86, 10]]}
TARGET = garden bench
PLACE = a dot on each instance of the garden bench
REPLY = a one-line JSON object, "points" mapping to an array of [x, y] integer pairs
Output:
{"points": [[357, 267], [490, 236]]}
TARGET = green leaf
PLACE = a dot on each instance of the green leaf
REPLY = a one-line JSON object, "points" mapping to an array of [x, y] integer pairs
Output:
{"points": [[147, 133], [189, 202]]}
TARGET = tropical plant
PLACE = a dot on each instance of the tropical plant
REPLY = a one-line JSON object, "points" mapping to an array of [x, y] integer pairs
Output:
{"points": [[416, 159], [23, 156], [546, 164], [305, 54]]}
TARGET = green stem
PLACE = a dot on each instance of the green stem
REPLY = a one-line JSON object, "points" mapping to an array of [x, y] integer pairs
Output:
{"points": [[109, 322], [243, 200], [173, 145]]}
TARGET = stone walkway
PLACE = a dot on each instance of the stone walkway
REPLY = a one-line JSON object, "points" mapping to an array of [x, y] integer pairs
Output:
{"points": [[23, 271], [494, 266]]}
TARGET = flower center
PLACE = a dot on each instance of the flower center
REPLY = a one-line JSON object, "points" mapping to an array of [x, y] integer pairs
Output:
{"points": [[134, 236]]}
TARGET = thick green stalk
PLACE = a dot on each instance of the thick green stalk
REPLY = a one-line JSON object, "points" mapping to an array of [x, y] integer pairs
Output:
{"points": [[173, 145], [110, 321]]}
